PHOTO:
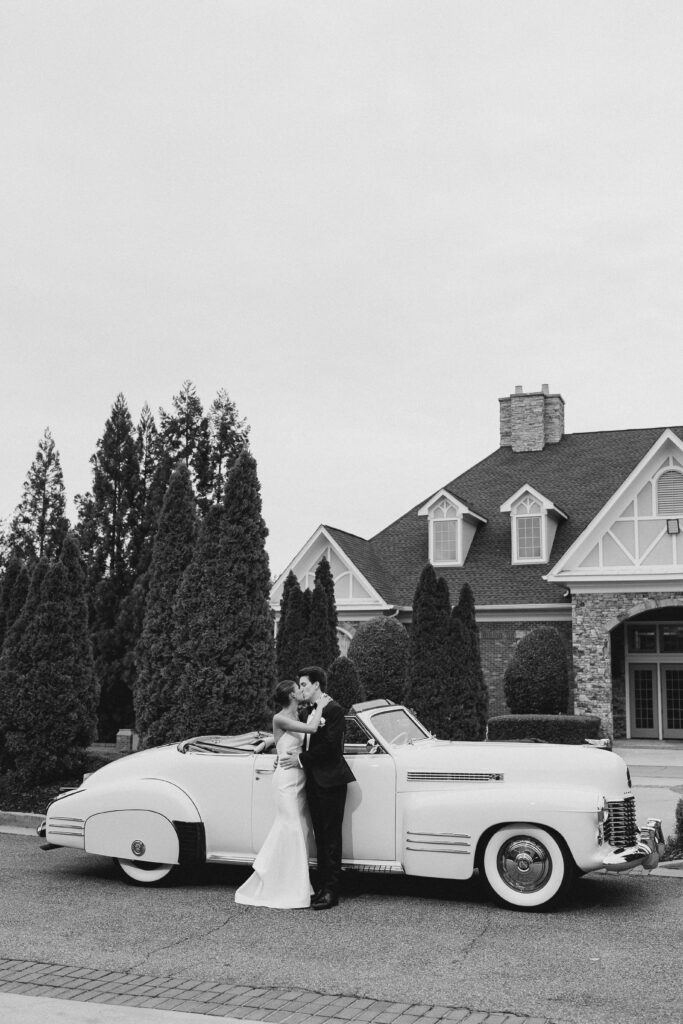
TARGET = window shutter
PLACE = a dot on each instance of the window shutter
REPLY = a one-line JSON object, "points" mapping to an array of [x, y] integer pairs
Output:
{"points": [[670, 494]]}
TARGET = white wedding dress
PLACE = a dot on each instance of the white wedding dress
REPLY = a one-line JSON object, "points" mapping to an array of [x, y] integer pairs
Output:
{"points": [[280, 879]]}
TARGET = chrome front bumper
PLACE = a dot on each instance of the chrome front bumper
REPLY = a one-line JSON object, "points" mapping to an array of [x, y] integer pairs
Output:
{"points": [[645, 853]]}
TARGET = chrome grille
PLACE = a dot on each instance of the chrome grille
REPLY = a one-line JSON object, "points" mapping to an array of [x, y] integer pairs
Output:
{"points": [[621, 828], [455, 777]]}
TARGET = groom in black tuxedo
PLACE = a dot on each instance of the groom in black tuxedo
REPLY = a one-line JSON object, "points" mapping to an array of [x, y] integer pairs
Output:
{"points": [[327, 776]]}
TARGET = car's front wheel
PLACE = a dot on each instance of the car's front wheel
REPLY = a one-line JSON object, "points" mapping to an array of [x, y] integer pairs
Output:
{"points": [[140, 873], [526, 867]]}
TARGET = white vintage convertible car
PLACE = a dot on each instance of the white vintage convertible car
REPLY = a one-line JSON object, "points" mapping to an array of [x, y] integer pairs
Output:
{"points": [[528, 816]]}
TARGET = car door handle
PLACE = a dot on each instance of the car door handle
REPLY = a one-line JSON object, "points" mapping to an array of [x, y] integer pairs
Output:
{"points": [[265, 771]]}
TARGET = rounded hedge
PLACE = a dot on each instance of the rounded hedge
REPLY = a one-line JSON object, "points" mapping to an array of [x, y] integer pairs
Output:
{"points": [[379, 650], [537, 677], [549, 728]]}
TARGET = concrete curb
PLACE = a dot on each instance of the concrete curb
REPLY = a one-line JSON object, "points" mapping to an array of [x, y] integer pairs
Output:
{"points": [[16, 819]]}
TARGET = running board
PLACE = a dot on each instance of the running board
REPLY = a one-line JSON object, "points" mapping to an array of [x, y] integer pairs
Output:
{"points": [[380, 867]]}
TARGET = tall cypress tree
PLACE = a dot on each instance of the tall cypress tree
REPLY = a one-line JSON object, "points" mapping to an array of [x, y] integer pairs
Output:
{"points": [[325, 581], [197, 677], [39, 524], [228, 437], [283, 656], [16, 663], [173, 549], [318, 647], [106, 530], [250, 655], [472, 693], [224, 637], [15, 586], [430, 675], [147, 499], [55, 707], [185, 437]]}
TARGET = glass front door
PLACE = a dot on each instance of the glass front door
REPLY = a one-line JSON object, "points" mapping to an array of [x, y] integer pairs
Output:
{"points": [[672, 701], [643, 687]]}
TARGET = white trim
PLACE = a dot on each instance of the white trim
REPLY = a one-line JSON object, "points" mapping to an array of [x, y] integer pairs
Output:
{"points": [[547, 505], [626, 585], [455, 502], [375, 602], [523, 613], [588, 537]]}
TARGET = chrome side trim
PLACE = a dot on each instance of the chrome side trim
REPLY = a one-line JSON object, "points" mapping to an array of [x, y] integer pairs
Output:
{"points": [[438, 842], [455, 777]]}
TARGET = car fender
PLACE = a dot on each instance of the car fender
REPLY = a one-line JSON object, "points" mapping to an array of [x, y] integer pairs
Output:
{"points": [[442, 830], [110, 819]]}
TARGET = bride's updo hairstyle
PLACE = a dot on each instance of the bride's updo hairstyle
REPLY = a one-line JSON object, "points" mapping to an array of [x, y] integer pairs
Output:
{"points": [[283, 692]]}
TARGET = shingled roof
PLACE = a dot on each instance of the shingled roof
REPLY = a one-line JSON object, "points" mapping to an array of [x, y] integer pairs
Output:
{"points": [[579, 474]]}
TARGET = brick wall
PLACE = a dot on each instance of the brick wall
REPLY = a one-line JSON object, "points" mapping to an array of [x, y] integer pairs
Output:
{"points": [[498, 641]]}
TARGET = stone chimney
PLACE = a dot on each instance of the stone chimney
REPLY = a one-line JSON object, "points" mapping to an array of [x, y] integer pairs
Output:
{"points": [[528, 422]]}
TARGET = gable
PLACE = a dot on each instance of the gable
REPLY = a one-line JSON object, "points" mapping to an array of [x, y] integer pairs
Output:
{"points": [[636, 533], [351, 587]]}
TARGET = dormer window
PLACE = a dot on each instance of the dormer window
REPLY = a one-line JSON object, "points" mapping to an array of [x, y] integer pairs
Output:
{"points": [[533, 522], [528, 519], [451, 526], [443, 528]]}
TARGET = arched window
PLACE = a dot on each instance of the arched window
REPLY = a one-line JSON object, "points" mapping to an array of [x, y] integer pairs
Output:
{"points": [[443, 525], [527, 517], [670, 494]]}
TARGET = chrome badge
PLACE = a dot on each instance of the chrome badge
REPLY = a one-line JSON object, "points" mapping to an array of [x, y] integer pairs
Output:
{"points": [[138, 847]]}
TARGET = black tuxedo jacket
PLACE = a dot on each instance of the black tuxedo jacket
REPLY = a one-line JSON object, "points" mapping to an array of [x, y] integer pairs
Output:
{"points": [[324, 759]]}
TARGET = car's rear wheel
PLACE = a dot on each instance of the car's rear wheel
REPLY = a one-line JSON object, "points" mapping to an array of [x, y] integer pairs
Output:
{"points": [[526, 867], [141, 873]]}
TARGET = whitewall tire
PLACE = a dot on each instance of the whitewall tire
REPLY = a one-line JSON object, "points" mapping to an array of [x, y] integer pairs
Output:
{"points": [[140, 873], [526, 867]]}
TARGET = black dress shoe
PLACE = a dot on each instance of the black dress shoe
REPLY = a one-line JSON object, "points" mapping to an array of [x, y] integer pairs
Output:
{"points": [[327, 900], [317, 895]]}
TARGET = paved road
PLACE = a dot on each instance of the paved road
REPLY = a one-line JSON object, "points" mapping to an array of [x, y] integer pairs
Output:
{"points": [[611, 956]]}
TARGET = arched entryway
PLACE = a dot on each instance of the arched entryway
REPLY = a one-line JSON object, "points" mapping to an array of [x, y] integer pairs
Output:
{"points": [[647, 674]]}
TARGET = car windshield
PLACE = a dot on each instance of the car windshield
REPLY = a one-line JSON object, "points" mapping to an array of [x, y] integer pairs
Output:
{"points": [[395, 727]]}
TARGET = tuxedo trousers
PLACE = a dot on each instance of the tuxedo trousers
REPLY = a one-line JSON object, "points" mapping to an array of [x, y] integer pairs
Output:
{"points": [[326, 807]]}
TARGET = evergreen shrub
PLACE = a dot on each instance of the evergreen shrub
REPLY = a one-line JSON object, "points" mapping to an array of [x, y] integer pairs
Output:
{"points": [[343, 683], [379, 649], [537, 676], [572, 729]]}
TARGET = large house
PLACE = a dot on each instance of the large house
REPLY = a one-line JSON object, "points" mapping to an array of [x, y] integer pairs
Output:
{"points": [[581, 531]]}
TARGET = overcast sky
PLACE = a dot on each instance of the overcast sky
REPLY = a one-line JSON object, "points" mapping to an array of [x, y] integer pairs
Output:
{"points": [[367, 221]]}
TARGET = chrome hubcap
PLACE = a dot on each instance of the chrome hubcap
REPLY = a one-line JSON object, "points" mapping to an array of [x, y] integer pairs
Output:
{"points": [[524, 864]]}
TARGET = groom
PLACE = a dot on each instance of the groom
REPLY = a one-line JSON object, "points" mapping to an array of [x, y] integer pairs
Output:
{"points": [[327, 776]]}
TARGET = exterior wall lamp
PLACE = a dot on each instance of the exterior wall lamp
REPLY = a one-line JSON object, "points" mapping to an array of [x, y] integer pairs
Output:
{"points": [[673, 526]]}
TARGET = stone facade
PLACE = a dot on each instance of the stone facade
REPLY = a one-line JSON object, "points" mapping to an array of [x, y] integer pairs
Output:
{"points": [[529, 421], [594, 616]]}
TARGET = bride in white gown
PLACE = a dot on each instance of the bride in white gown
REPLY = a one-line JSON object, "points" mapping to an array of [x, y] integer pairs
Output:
{"points": [[280, 878]]}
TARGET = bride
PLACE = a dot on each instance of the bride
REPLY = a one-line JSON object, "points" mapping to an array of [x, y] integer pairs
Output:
{"points": [[280, 877]]}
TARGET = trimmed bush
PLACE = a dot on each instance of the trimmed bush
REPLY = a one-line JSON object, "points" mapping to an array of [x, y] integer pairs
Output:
{"points": [[537, 677], [343, 683], [379, 650], [574, 729]]}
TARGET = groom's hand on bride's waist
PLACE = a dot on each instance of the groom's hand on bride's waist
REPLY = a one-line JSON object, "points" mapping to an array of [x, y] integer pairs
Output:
{"points": [[288, 761]]}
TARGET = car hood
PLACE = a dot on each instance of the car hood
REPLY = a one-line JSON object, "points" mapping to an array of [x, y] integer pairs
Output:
{"points": [[536, 764]]}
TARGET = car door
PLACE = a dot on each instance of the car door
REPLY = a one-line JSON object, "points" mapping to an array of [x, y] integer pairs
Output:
{"points": [[369, 832]]}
